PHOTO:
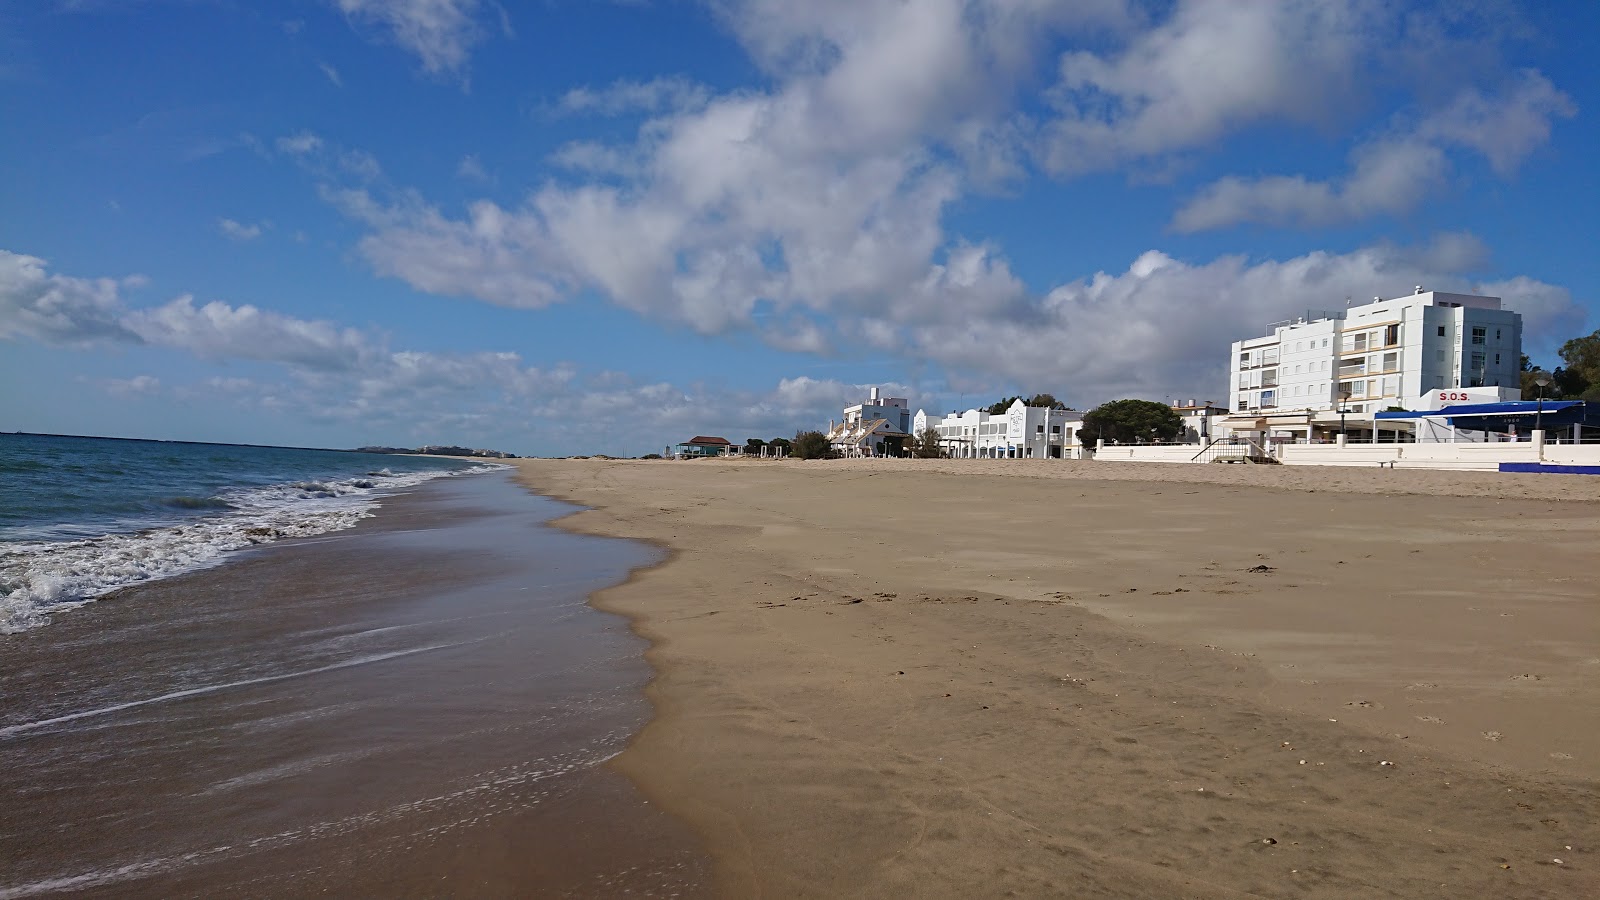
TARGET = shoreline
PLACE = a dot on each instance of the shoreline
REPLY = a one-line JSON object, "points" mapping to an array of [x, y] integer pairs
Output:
{"points": [[391, 694], [729, 733]]}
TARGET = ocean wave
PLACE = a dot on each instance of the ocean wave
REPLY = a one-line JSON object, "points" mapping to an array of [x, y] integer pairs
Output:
{"points": [[198, 503], [40, 578]]}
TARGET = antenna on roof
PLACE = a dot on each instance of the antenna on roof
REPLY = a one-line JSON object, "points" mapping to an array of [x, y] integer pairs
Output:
{"points": [[1418, 290], [1346, 301]]}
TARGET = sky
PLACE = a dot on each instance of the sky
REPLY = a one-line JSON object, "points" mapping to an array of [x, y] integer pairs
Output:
{"points": [[585, 226]]}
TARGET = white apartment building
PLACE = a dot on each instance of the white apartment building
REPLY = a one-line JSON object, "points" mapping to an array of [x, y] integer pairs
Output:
{"points": [[1021, 432], [1296, 379]]}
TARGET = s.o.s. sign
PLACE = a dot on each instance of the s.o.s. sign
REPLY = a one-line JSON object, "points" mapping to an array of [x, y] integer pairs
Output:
{"points": [[1453, 396]]}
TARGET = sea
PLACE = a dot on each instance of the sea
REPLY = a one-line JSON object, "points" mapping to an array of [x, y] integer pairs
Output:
{"points": [[83, 516]]}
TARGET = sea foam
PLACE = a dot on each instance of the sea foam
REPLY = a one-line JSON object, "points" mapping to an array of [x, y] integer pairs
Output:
{"points": [[40, 578]]}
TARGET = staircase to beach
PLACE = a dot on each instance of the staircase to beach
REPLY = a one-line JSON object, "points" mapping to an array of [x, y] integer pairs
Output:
{"points": [[1245, 451]]}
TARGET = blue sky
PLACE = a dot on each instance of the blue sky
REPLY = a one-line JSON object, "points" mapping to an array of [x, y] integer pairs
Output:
{"points": [[586, 226]]}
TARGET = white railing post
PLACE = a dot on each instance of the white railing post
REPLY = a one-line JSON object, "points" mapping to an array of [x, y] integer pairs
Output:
{"points": [[1538, 445], [1341, 439]]}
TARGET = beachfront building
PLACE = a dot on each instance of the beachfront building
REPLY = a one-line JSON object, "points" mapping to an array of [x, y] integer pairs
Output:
{"points": [[1201, 421], [1328, 372], [877, 426], [702, 445], [1021, 432]]}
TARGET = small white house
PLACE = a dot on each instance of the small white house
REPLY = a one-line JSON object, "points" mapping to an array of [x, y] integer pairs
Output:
{"points": [[1021, 432]]}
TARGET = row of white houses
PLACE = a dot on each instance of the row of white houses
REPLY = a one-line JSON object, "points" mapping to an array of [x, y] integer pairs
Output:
{"points": [[884, 426]]}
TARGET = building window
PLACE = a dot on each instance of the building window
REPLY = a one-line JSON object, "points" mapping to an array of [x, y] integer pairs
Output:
{"points": [[1040, 429], [1055, 429], [1391, 335], [1244, 360], [1324, 343], [1441, 331], [1497, 335], [1391, 361], [1480, 335]]}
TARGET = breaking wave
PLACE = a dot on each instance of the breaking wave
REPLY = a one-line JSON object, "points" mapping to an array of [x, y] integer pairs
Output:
{"points": [[40, 578]]}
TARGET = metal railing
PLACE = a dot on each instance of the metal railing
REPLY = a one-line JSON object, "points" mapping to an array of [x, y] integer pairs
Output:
{"points": [[1234, 449]]}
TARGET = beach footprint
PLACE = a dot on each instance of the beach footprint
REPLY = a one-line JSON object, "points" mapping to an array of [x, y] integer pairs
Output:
{"points": [[1431, 720]]}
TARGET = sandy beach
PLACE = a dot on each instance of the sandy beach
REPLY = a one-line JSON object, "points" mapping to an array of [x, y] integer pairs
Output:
{"points": [[886, 678]]}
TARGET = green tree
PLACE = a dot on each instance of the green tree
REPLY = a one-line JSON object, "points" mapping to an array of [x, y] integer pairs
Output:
{"points": [[1580, 377], [1046, 401], [810, 445], [999, 407], [1130, 422], [927, 445], [753, 446], [781, 445]]}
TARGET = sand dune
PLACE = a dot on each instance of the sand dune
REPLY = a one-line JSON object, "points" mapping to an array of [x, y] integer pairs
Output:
{"points": [[982, 679]]}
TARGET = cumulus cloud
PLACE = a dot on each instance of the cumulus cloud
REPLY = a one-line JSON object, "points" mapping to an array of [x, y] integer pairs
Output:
{"points": [[219, 331], [336, 374], [811, 213], [57, 309], [440, 33], [238, 231], [1212, 66], [1393, 173]]}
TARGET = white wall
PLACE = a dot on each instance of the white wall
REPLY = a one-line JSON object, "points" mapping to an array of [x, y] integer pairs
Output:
{"points": [[1147, 453]]}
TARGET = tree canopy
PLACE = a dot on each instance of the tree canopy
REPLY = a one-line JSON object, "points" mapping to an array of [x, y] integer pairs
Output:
{"points": [[1044, 401], [1578, 379], [810, 445], [1130, 422], [926, 444]]}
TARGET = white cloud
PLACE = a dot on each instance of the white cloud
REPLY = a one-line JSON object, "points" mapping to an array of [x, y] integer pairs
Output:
{"points": [[238, 231], [1549, 314], [128, 387], [668, 93], [299, 144], [57, 309], [1392, 174], [440, 33], [1506, 127], [342, 375], [1211, 67], [471, 169], [219, 331], [332, 73]]}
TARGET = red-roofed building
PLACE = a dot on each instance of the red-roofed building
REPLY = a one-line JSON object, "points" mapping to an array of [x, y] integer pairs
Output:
{"points": [[702, 445]]}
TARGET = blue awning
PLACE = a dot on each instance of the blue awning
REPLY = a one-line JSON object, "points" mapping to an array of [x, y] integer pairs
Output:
{"points": [[1499, 416], [1503, 408]]}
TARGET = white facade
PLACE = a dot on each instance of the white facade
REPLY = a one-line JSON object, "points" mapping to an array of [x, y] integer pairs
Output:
{"points": [[896, 410], [877, 426], [1201, 421], [1021, 432], [1383, 353]]}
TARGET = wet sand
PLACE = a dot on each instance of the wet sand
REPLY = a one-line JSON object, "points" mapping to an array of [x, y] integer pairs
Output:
{"points": [[420, 706], [1034, 679]]}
